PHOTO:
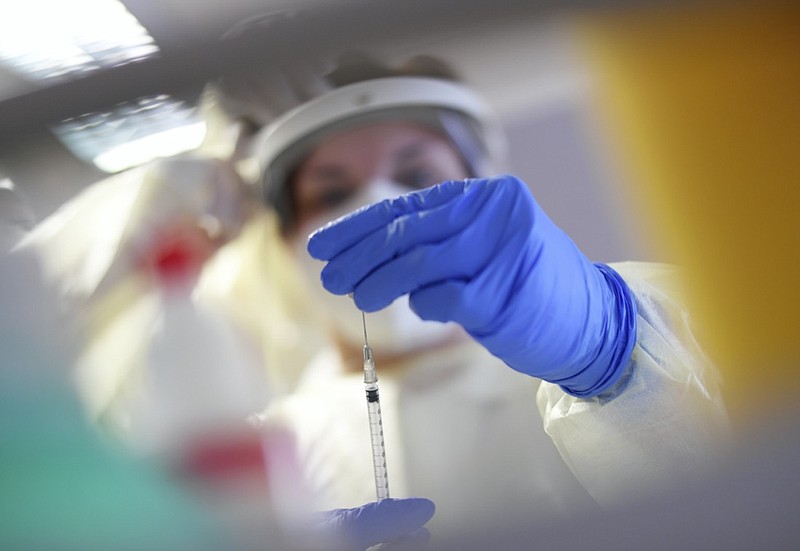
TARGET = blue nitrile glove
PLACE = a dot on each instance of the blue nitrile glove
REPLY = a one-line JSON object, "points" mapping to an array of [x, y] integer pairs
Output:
{"points": [[482, 253], [393, 522]]}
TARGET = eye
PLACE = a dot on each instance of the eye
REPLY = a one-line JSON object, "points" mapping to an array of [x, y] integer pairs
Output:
{"points": [[321, 188], [418, 177], [333, 197]]}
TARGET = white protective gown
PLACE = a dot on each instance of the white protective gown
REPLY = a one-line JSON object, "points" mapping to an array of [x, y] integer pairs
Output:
{"points": [[466, 431]]}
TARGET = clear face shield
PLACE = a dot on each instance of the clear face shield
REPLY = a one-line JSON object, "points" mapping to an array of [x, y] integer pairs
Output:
{"points": [[448, 108]]}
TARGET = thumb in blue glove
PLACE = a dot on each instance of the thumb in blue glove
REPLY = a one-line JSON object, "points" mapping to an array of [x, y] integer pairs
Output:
{"points": [[482, 253], [394, 522]]}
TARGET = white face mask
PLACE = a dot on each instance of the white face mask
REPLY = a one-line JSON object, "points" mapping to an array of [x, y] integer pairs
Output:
{"points": [[395, 329]]}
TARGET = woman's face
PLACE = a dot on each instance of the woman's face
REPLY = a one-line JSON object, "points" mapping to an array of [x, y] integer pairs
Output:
{"points": [[343, 164]]}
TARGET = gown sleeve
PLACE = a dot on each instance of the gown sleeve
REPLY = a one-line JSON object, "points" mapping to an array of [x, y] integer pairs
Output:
{"points": [[664, 419]]}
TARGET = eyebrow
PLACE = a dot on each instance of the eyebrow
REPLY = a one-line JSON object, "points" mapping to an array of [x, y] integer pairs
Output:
{"points": [[329, 171]]}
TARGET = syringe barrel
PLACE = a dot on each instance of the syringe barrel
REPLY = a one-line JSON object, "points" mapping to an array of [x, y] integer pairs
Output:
{"points": [[376, 437]]}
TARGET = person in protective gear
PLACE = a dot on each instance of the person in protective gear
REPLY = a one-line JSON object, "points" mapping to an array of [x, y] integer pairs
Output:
{"points": [[393, 173]]}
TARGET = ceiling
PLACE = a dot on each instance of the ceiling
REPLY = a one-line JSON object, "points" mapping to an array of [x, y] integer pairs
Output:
{"points": [[513, 52], [189, 33]]}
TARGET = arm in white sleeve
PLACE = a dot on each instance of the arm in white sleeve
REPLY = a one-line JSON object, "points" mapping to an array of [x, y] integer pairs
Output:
{"points": [[667, 418]]}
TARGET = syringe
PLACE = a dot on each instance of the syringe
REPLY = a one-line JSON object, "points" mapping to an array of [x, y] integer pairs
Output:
{"points": [[375, 422]]}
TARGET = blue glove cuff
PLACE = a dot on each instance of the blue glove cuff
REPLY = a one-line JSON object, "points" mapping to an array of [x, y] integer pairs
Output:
{"points": [[607, 367]]}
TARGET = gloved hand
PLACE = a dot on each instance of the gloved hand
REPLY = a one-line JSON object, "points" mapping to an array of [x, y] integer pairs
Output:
{"points": [[482, 253], [396, 523]]}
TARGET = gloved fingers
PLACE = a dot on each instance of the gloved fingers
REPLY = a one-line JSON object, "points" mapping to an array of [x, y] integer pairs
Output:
{"points": [[343, 233], [456, 226], [439, 302], [473, 302], [453, 259], [493, 289], [454, 301], [381, 521]]}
